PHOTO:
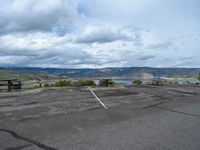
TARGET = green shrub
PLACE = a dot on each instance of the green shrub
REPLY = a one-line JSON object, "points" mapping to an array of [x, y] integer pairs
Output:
{"points": [[137, 82], [46, 85], [86, 83], [36, 86], [198, 76], [62, 83], [52, 85]]}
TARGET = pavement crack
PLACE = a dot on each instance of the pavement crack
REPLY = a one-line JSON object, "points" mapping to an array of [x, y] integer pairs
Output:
{"points": [[179, 112], [19, 147], [167, 109], [153, 105], [38, 144]]}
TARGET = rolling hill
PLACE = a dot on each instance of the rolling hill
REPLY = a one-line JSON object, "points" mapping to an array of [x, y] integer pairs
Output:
{"points": [[26, 75], [121, 72]]}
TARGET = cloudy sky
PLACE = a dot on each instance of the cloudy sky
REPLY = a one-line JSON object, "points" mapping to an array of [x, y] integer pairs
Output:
{"points": [[99, 33]]}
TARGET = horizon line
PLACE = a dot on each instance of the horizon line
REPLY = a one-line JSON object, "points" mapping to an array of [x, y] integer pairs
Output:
{"points": [[4, 67]]}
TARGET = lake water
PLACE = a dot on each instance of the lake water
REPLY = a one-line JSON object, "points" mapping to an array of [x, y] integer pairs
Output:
{"points": [[129, 81]]}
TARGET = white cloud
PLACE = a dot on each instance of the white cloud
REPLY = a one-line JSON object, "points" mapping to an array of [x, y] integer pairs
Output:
{"points": [[102, 35], [31, 15], [96, 33]]}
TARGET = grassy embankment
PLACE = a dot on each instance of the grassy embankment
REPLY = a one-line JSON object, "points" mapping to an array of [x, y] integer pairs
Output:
{"points": [[29, 80]]}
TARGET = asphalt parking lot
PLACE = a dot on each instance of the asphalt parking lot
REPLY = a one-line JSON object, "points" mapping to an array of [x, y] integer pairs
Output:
{"points": [[137, 118]]}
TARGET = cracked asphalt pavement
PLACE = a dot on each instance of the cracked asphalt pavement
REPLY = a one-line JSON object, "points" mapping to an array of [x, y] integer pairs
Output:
{"points": [[138, 118]]}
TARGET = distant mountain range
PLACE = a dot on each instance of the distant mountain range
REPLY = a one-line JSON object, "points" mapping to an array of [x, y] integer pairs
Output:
{"points": [[121, 72]]}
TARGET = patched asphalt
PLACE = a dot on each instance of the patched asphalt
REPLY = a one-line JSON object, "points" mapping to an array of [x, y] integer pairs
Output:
{"points": [[137, 118]]}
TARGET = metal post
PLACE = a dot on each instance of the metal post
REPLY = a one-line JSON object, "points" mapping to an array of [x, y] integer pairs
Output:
{"points": [[9, 85], [106, 82]]}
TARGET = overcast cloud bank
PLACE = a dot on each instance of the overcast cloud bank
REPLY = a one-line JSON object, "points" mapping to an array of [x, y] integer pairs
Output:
{"points": [[99, 33]]}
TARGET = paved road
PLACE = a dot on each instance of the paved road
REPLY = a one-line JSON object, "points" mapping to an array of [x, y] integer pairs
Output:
{"points": [[138, 118]]}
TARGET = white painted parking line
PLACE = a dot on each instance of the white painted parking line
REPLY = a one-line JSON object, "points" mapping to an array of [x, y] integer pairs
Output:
{"points": [[102, 104]]}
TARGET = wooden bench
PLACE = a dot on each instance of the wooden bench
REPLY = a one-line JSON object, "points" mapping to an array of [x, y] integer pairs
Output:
{"points": [[106, 82], [11, 83], [16, 86]]}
